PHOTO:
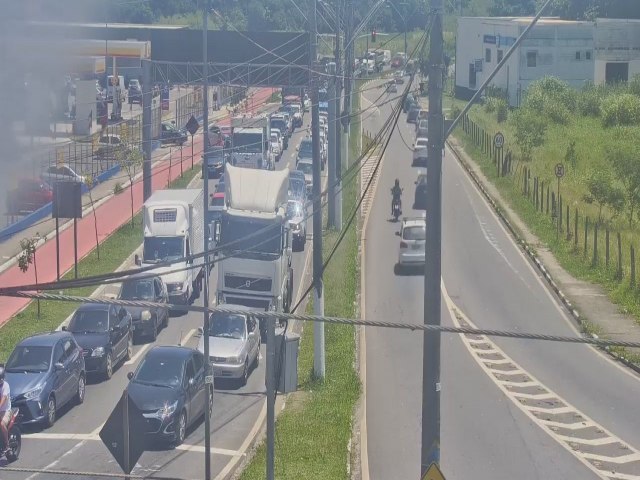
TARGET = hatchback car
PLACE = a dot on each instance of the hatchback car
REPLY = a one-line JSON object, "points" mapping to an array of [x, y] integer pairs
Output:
{"points": [[413, 234], [409, 101], [420, 197], [420, 152], [215, 158], [169, 387], [234, 343], [146, 322], [172, 134], [412, 114], [104, 334], [46, 372], [305, 150], [297, 223], [216, 206], [61, 173], [306, 167], [422, 127], [135, 91], [392, 87]]}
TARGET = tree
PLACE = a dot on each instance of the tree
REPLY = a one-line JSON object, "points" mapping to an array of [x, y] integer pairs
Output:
{"points": [[602, 191], [28, 257], [512, 8], [625, 159], [130, 159], [90, 183], [530, 130]]}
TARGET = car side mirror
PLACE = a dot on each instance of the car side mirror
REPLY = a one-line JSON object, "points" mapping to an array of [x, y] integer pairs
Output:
{"points": [[58, 365], [200, 331], [130, 375], [191, 381], [398, 234], [137, 260], [64, 328]]}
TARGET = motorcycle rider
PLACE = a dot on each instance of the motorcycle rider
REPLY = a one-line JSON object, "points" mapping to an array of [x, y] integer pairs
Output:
{"points": [[5, 412], [396, 193]]}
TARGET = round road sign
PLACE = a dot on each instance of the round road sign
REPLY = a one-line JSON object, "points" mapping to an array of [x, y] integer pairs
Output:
{"points": [[559, 170], [498, 140]]}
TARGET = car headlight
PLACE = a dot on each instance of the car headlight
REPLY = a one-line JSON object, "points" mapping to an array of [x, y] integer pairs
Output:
{"points": [[98, 352], [166, 411], [234, 360], [33, 394], [145, 315]]}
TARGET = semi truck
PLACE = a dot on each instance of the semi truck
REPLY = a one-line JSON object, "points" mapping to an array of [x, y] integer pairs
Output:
{"points": [[173, 226], [250, 142], [255, 241]]}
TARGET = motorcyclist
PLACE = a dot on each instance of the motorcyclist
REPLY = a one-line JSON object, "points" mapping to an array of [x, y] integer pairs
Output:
{"points": [[5, 412], [396, 193]]}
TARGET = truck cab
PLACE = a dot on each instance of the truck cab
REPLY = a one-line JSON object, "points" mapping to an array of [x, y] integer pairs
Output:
{"points": [[251, 143]]}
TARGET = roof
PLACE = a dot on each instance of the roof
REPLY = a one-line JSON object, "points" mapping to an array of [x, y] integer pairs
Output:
{"points": [[48, 339], [232, 306], [110, 25], [257, 131], [170, 350], [89, 307], [218, 195], [174, 195], [256, 190], [527, 20]]}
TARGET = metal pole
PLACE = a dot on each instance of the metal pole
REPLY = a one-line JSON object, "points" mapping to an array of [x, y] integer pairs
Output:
{"points": [[430, 448], [125, 428], [336, 125], [331, 120], [57, 246], [318, 300], [146, 129], [558, 212], [205, 283], [75, 246], [271, 396], [348, 78]]}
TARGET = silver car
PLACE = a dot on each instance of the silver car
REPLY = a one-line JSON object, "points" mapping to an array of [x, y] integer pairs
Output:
{"points": [[61, 173], [412, 241], [420, 151], [234, 343], [422, 128]]}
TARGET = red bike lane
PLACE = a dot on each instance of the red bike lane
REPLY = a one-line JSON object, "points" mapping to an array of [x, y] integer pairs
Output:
{"points": [[111, 215]]}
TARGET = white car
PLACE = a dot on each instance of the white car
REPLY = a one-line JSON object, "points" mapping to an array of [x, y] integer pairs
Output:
{"points": [[413, 234], [298, 224], [275, 147], [305, 165], [61, 173]]}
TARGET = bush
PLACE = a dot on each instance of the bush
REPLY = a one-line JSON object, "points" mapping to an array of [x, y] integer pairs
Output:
{"points": [[454, 112], [620, 109], [490, 104], [502, 110], [551, 97], [634, 86], [589, 100], [117, 188], [530, 129], [557, 112]]}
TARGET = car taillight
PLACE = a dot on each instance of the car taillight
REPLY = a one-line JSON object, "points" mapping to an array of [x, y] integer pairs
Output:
{"points": [[403, 245]]}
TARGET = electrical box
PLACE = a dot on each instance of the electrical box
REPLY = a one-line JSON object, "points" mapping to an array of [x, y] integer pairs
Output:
{"points": [[287, 361]]}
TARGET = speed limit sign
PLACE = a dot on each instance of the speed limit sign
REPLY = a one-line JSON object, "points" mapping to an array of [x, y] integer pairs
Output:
{"points": [[559, 170], [498, 140]]}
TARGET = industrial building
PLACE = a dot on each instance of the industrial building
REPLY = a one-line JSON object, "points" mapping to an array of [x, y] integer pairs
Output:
{"points": [[578, 52]]}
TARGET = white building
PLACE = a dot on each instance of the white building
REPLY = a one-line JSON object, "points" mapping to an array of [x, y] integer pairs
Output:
{"points": [[607, 50]]}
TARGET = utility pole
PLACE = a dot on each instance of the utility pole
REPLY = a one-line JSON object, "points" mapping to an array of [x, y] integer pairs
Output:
{"points": [[271, 395], [318, 300], [336, 124], [331, 121], [207, 234], [430, 449], [348, 77], [146, 129]]}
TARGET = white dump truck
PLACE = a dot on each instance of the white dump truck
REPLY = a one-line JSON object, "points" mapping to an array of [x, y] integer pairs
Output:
{"points": [[250, 142], [174, 229], [255, 240]]}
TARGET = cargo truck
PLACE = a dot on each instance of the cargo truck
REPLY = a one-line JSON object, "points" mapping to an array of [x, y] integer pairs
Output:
{"points": [[173, 226], [250, 142]]}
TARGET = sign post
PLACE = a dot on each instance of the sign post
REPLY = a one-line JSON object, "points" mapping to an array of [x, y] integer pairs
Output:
{"points": [[498, 142], [559, 175]]}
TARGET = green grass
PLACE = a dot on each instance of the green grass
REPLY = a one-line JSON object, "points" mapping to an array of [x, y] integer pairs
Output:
{"points": [[113, 251], [313, 432]]}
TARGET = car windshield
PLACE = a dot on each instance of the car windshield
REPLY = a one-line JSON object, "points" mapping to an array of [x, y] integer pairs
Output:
{"points": [[29, 359], [159, 371], [414, 233], [294, 209], [89, 321], [279, 123], [296, 185], [227, 325], [305, 168], [137, 290], [162, 249], [306, 149]]}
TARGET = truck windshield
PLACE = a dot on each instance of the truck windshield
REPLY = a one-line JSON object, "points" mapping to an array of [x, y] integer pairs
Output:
{"points": [[247, 142], [162, 249], [248, 238], [279, 124]]}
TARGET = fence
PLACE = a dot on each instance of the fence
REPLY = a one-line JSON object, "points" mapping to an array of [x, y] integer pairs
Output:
{"points": [[591, 241]]}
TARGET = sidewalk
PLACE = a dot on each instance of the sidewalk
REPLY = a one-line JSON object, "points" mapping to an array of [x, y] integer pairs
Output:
{"points": [[584, 301], [111, 214]]}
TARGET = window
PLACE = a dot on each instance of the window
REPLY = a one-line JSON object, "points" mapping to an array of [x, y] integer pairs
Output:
{"points": [[68, 349], [190, 371], [487, 55], [198, 362], [532, 59], [157, 288], [500, 55], [587, 55], [58, 353], [578, 55]]}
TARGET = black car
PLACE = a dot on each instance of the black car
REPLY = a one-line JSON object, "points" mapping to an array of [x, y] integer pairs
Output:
{"points": [[171, 134], [146, 321], [420, 198], [412, 115], [169, 387], [215, 158], [409, 101], [104, 333]]}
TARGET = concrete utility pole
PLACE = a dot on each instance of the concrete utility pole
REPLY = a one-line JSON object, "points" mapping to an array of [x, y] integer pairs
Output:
{"points": [[331, 121], [430, 449], [318, 300], [271, 396], [146, 129], [207, 234], [348, 78], [335, 126]]}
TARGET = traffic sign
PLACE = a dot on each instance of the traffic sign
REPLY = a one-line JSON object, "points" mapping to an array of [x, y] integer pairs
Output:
{"points": [[192, 125], [60, 156], [498, 140], [559, 170], [433, 473], [113, 433], [208, 379]]}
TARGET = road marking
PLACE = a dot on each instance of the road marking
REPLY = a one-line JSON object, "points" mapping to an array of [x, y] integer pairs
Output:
{"points": [[186, 338], [552, 414], [137, 355]]}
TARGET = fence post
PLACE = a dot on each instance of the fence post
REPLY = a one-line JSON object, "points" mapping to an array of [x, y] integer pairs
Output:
{"points": [[586, 233], [606, 248], [524, 181], [594, 261], [542, 196], [568, 225], [619, 269], [547, 199], [528, 182], [560, 221], [575, 230], [632, 281]]}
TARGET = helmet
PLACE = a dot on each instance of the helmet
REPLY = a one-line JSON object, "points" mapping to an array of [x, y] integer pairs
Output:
{"points": [[397, 182]]}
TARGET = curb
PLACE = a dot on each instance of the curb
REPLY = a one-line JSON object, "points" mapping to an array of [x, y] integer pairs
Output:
{"points": [[534, 258]]}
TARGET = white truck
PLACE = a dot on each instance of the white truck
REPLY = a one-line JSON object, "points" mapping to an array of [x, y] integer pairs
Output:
{"points": [[250, 142], [255, 240], [174, 229]]}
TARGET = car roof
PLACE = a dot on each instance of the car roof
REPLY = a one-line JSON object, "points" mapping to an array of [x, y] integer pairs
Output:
{"points": [[414, 221], [93, 307], [424, 139], [48, 339], [173, 351]]}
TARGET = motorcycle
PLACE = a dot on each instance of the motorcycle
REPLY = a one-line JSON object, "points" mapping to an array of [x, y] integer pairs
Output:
{"points": [[396, 207], [15, 437]]}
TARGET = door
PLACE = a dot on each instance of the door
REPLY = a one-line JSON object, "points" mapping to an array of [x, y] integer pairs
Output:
{"points": [[616, 72], [190, 388], [59, 383], [69, 380], [115, 333], [472, 76], [161, 313], [199, 385], [252, 338]]}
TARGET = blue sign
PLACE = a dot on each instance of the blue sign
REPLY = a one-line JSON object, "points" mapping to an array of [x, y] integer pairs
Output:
{"points": [[504, 41], [323, 106], [489, 39], [165, 98]]}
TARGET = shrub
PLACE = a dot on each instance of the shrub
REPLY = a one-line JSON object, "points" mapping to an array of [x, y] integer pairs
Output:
{"points": [[620, 109], [502, 110], [117, 188], [454, 112], [634, 85], [557, 113], [550, 90], [530, 129], [589, 100]]}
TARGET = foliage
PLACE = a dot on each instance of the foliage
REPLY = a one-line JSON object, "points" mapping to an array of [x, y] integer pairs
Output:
{"points": [[512, 8], [553, 97], [529, 131], [620, 109], [625, 159], [602, 191], [570, 156], [634, 85], [130, 160], [590, 99], [502, 110], [117, 188], [28, 254]]}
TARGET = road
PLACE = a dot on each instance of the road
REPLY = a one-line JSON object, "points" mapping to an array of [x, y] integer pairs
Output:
{"points": [[510, 408], [72, 444]]}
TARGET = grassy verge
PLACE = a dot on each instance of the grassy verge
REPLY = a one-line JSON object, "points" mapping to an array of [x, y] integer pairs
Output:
{"points": [[113, 251], [313, 432]]}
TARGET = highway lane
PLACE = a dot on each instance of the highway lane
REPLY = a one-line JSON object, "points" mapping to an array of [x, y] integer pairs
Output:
{"points": [[484, 433], [73, 444]]}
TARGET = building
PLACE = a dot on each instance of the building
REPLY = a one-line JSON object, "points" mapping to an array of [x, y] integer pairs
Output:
{"points": [[603, 51]]}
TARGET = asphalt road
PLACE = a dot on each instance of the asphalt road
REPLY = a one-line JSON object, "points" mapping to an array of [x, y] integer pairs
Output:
{"points": [[573, 413], [72, 444]]}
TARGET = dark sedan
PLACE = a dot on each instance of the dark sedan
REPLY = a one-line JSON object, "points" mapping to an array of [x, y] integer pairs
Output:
{"points": [[215, 159], [420, 198], [104, 333], [412, 115], [169, 387], [172, 134], [147, 321]]}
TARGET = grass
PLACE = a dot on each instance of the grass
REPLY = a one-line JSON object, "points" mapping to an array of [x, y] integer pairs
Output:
{"points": [[113, 251], [313, 432]]}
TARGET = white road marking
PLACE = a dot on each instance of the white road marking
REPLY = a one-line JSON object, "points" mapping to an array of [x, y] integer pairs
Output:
{"points": [[602, 462], [138, 354]]}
